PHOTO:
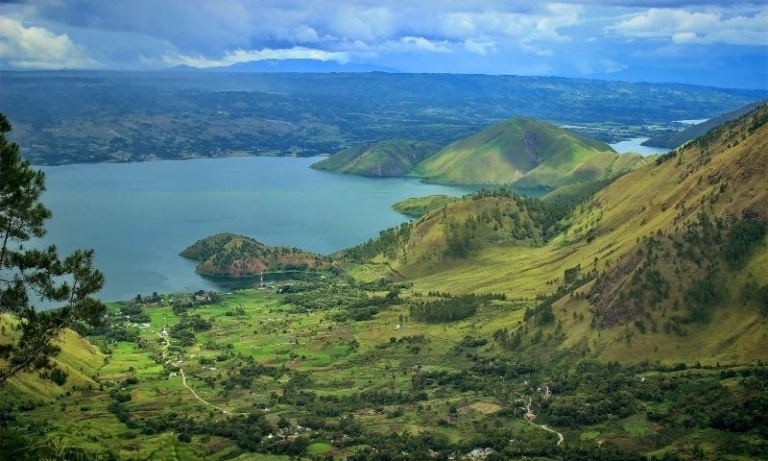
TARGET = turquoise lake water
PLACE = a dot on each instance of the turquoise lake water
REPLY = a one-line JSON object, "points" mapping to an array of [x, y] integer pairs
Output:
{"points": [[139, 216]]}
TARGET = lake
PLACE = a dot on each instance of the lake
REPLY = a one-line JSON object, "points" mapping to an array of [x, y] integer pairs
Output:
{"points": [[139, 216], [634, 145]]}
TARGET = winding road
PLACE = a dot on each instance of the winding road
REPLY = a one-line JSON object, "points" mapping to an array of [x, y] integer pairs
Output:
{"points": [[560, 437], [184, 380]]}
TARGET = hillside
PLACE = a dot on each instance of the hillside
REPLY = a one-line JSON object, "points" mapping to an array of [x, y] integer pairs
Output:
{"points": [[456, 231], [667, 263], [232, 255], [417, 207], [394, 157], [78, 360], [527, 153], [678, 138]]}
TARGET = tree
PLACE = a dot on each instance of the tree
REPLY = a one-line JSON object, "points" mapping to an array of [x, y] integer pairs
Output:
{"points": [[29, 274]]}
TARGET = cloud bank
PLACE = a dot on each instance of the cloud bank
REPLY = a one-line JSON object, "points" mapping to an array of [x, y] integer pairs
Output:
{"points": [[571, 37]]}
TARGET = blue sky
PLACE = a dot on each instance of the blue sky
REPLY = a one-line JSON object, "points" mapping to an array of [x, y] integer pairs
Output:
{"points": [[695, 41]]}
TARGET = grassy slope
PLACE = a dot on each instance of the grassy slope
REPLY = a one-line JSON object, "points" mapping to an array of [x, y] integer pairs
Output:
{"points": [[419, 206], [477, 223], [526, 152], [78, 358], [394, 157], [649, 199]]}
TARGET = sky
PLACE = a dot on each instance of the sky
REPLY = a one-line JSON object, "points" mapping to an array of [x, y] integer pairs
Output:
{"points": [[718, 43]]}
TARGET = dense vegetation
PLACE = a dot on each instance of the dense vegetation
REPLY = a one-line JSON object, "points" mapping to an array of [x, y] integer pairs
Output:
{"points": [[484, 218], [30, 277], [232, 255]]}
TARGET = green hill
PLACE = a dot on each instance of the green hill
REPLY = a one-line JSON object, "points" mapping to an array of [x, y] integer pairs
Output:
{"points": [[232, 255], [527, 153], [395, 157], [455, 232]]}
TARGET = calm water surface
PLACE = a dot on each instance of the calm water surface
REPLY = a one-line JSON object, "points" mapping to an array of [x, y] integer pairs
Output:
{"points": [[634, 145], [139, 216]]}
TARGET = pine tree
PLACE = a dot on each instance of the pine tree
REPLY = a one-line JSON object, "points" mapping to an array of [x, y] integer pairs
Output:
{"points": [[30, 274]]}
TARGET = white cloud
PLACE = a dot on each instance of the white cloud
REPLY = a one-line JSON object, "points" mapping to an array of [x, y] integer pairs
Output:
{"points": [[683, 26], [306, 34], [479, 36], [541, 26], [684, 37], [559, 16], [538, 51], [240, 56], [480, 46], [421, 44], [33, 47], [354, 22]]}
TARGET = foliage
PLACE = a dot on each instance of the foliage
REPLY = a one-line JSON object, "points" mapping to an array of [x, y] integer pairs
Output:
{"points": [[449, 309], [387, 243], [232, 255], [742, 236], [27, 273]]}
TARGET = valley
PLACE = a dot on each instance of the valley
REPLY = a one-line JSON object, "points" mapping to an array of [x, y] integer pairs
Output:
{"points": [[618, 319]]}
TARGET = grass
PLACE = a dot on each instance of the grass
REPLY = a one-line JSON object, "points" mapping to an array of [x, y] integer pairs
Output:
{"points": [[636, 426], [419, 206], [319, 448]]}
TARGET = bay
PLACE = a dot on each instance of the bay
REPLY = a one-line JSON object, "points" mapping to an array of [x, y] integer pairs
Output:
{"points": [[139, 216], [635, 145]]}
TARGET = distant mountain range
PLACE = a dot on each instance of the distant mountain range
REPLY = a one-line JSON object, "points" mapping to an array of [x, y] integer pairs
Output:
{"points": [[292, 109], [311, 66]]}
